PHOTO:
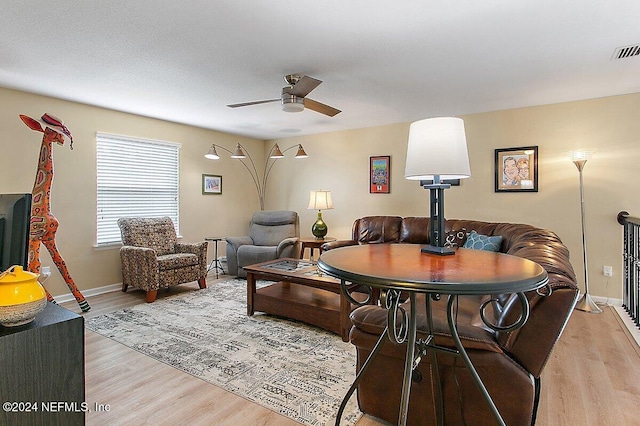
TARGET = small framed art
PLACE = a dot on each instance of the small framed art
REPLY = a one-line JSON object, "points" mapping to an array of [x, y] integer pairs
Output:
{"points": [[517, 169], [211, 184], [380, 174]]}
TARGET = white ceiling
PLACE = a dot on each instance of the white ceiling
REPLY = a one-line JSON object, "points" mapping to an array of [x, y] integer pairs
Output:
{"points": [[381, 62]]}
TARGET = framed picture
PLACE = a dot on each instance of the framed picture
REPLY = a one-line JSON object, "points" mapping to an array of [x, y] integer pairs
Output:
{"points": [[211, 184], [517, 169], [380, 174]]}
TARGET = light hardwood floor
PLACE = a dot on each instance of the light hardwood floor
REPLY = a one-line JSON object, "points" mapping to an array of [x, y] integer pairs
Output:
{"points": [[592, 378]]}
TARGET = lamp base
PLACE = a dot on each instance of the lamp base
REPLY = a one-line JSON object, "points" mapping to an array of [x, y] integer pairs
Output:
{"points": [[319, 228], [441, 251], [587, 304]]}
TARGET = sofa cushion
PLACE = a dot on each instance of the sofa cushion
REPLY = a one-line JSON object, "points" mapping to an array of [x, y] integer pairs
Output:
{"points": [[483, 242], [414, 230], [377, 229]]}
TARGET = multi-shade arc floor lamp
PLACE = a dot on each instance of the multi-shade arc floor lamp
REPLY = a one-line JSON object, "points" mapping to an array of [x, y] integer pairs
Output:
{"points": [[260, 181]]}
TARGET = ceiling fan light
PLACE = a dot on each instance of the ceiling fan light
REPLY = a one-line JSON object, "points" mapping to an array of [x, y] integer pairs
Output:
{"points": [[292, 103], [238, 153]]}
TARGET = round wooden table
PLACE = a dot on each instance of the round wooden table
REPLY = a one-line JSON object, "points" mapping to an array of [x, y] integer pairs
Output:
{"points": [[393, 268]]}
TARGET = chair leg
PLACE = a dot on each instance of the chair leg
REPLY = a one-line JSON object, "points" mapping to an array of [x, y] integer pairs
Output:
{"points": [[202, 282], [125, 287], [151, 295]]}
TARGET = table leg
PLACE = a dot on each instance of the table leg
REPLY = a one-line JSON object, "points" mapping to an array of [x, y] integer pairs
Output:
{"points": [[363, 370], [215, 256], [408, 362], [251, 291], [345, 322], [451, 307], [436, 368]]}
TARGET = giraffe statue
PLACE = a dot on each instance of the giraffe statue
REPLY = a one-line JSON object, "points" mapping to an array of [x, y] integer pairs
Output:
{"points": [[44, 225]]}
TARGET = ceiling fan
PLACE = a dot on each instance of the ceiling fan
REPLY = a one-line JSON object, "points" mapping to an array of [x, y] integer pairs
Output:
{"points": [[293, 96]]}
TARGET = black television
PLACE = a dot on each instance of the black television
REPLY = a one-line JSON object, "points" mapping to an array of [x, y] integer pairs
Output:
{"points": [[15, 215]]}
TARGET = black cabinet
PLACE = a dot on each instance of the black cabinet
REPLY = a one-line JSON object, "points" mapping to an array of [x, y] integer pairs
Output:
{"points": [[42, 370]]}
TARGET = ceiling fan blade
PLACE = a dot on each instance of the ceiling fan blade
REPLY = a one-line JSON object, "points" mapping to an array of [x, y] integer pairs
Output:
{"points": [[320, 107], [305, 85], [253, 103]]}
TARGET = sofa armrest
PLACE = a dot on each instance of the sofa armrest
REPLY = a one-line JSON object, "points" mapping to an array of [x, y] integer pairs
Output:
{"points": [[337, 244], [284, 244]]}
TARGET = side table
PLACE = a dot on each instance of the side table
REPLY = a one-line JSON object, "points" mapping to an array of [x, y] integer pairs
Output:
{"points": [[215, 262], [313, 243]]}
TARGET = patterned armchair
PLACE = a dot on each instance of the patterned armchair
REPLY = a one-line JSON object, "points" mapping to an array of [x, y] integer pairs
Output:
{"points": [[272, 235], [152, 258]]}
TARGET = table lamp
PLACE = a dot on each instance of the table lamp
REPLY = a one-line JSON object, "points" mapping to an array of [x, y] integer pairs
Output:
{"points": [[320, 200], [437, 150]]}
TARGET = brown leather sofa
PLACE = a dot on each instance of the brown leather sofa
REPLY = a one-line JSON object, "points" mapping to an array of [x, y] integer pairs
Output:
{"points": [[509, 363]]}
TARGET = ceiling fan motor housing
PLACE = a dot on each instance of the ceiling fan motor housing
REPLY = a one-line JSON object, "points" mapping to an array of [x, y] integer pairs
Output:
{"points": [[292, 103]]}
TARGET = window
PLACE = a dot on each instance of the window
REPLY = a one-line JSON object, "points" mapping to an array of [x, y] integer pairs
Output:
{"points": [[136, 178]]}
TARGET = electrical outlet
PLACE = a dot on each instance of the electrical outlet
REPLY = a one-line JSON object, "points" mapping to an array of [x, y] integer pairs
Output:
{"points": [[45, 272], [607, 271]]}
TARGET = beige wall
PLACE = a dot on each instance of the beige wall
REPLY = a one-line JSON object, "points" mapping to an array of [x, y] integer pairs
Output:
{"points": [[74, 186], [340, 162]]}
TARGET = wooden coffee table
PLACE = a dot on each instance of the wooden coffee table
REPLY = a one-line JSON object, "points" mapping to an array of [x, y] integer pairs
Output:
{"points": [[300, 292]]}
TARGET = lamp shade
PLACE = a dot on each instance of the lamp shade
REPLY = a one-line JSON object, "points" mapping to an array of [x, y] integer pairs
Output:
{"points": [[301, 153], [275, 152], [579, 155], [437, 146], [212, 154], [320, 200], [238, 153]]}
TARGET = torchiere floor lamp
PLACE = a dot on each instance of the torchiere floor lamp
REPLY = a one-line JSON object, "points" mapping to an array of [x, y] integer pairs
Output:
{"points": [[586, 303]]}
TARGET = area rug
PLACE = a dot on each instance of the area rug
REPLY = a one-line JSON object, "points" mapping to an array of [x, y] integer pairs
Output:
{"points": [[297, 370]]}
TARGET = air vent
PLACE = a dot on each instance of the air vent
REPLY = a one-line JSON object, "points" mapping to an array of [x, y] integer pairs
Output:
{"points": [[626, 52]]}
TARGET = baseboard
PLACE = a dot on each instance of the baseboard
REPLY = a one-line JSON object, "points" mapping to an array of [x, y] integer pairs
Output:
{"points": [[606, 300], [68, 297]]}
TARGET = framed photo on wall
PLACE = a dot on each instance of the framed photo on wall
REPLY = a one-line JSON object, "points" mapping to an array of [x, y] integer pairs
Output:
{"points": [[517, 169], [380, 174], [211, 184]]}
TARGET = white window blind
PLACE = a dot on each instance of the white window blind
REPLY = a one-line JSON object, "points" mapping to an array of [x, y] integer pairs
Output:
{"points": [[136, 178]]}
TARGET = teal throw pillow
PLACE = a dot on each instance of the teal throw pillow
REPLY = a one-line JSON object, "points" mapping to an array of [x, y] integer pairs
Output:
{"points": [[483, 242]]}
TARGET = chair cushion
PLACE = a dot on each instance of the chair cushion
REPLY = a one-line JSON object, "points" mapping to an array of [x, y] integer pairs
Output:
{"points": [[177, 260], [249, 255]]}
